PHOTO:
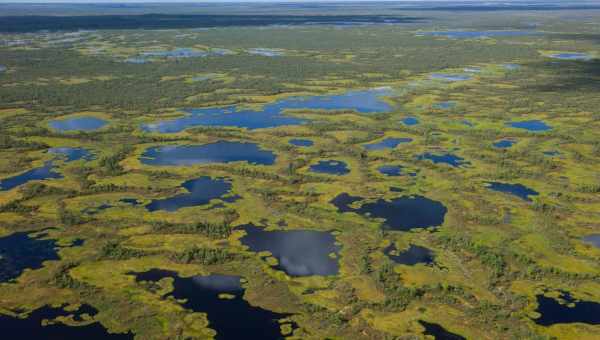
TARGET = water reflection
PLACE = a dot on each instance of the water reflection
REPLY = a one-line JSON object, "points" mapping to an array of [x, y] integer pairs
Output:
{"points": [[218, 152], [298, 252], [272, 115], [232, 317]]}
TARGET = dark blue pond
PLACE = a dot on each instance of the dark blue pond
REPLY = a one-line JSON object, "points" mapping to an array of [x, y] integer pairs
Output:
{"points": [[554, 312], [444, 105], [130, 201], [390, 170], [231, 318], [34, 327], [551, 153], [530, 125], [450, 77], [272, 115], [401, 214], [219, 152], [511, 67], [299, 252], [301, 142], [78, 124], [593, 239], [467, 123], [447, 158], [572, 56], [409, 121], [388, 143], [438, 332], [41, 173], [200, 192], [331, 167], [504, 144], [20, 251], [477, 34], [72, 154], [2, 68], [518, 190], [411, 256]]}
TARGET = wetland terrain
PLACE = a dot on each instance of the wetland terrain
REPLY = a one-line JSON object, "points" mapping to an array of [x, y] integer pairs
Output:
{"points": [[300, 171]]}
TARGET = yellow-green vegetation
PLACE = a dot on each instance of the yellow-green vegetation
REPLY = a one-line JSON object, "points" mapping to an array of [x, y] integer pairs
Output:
{"points": [[494, 255]]}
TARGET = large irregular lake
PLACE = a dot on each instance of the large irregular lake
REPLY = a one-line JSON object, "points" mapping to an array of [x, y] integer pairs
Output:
{"points": [[218, 152], [48, 170], [272, 115], [21, 251], [231, 318], [41, 173], [84, 123], [401, 214], [298, 252], [570, 310], [34, 327], [200, 192]]}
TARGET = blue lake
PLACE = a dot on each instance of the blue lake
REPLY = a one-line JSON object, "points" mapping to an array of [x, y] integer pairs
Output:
{"points": [[298, 252], [477, 34], [551, 153], [504, 144], [272, 115], [572, 56], [400, 214], [2, 68], [41, 173], [390, 170], [71, 154], [201, 294], [85, 123], [518, 190], [200, 192], [331, 167], [388, 143], [438, 332], [301, 142], [34, 327], [450, 77], [411, 256], [20, 251], [448, 158], [530, 125], [218, 152], [593, 239], [409, 121], [569, 310], [48, 170]]}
